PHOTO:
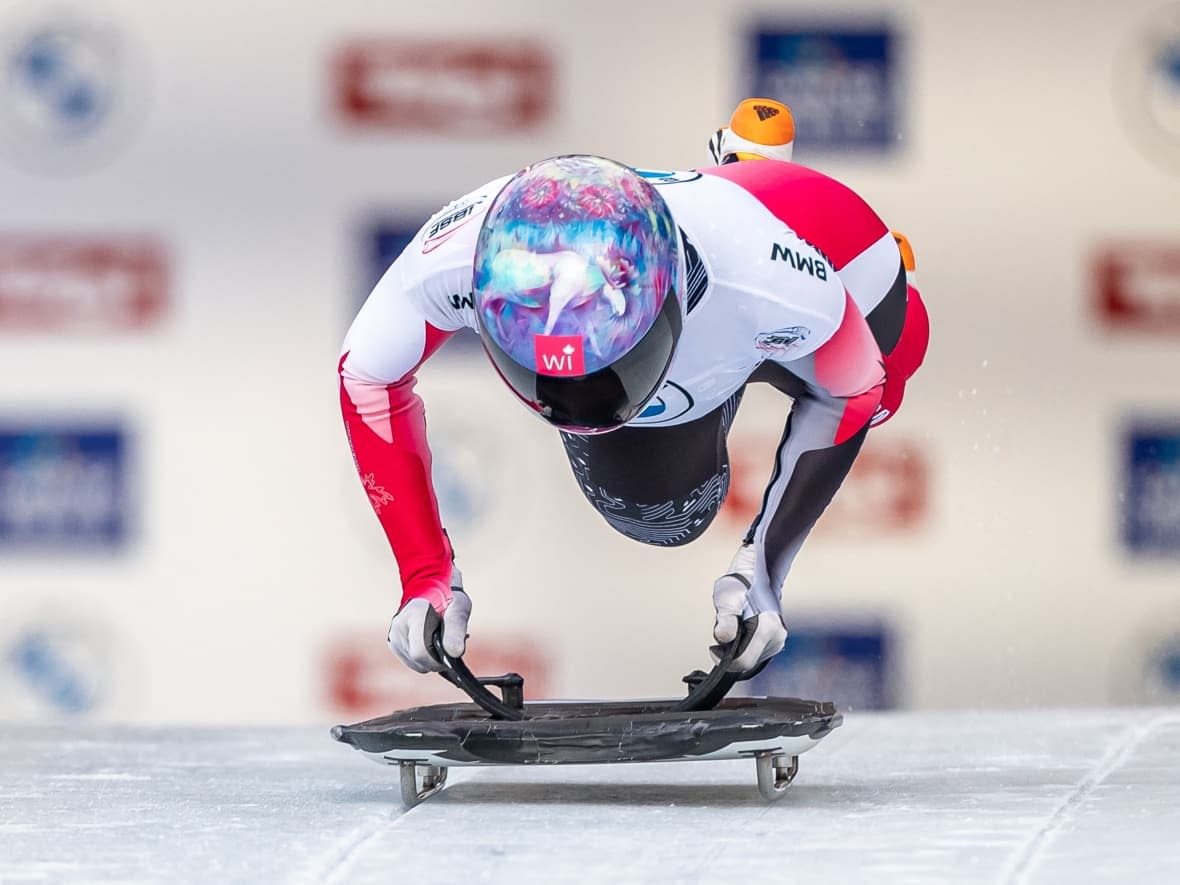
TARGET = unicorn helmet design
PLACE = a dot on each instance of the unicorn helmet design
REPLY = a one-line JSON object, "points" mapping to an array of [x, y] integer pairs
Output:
{"points": [[579, 294]]}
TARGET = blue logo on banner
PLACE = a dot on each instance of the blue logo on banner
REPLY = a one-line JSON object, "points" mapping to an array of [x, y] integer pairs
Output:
{"points": [[1148, 83], [1167, 663], [387, 240], [71, 90], [63, 489], [849, 664], [43, 662], [1151, 499], [69, 77], [841, 84]]}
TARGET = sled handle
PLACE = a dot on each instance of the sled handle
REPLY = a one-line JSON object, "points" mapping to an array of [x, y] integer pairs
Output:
{"points": [[457, 673], [706, 690]]}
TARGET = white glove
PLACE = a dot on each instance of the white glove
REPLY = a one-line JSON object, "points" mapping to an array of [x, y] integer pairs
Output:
{"points": [[415, 623], [766, 632]]}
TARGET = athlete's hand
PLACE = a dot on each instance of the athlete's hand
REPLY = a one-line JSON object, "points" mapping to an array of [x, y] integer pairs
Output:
{"points": [[413, 627], [766, 634], [715, 145]]}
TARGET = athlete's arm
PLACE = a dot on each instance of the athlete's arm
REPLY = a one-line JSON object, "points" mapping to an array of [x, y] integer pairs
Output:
{"points": [[418, 303]]}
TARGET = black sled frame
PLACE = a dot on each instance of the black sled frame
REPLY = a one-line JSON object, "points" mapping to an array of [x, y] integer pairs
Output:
{"points": [[423, 742]]}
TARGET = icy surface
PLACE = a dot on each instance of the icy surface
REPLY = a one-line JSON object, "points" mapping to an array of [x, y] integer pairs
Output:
{"points": [[1074, 796]]}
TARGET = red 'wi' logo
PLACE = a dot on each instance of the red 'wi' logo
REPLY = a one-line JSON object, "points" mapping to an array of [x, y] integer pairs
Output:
{"points": [[560, 355]]}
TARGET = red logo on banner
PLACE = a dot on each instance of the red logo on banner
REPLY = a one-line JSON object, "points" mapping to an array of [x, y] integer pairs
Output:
{"points": [[52, 283], [364, 679], [560, 355], [1137, 286], [460, 88], [887, 490]]}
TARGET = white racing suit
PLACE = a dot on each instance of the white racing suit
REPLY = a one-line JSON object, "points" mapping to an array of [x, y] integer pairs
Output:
{"points": [[791, 279]]}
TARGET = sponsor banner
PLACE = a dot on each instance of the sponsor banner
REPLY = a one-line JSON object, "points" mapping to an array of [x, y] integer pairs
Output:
{"points": [[886, 492], [1137, 286], [54, 665], [468, 88], [66, 283], [1151, 489], [362, 679], [72, 93], [841, 81], [852, 664], [1148, 86], [63, 488]]}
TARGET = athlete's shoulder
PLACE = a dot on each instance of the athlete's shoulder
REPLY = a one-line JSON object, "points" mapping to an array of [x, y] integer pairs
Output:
{"points": [[766, 177], [433, 271], [450, 233], [760, 272], [821, 209]]}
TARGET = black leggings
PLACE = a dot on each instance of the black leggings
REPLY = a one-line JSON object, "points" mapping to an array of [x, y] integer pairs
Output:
{"points": [[658, 485], [664, 485]]}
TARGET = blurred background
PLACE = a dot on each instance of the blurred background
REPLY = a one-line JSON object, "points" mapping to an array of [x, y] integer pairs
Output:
{"points": [[196, 198]]}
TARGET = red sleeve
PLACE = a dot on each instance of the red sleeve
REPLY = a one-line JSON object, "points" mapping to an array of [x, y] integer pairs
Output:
{"points": [[386, 428]]}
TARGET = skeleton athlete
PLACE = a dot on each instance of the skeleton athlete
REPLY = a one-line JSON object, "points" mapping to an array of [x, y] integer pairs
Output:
{"points": [[629, 309]]}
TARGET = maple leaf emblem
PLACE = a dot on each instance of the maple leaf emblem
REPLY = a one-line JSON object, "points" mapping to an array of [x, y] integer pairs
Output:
{"points": [[379, 496]]}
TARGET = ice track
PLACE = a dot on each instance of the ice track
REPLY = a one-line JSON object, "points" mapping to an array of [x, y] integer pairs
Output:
{"points": [[1078, 796]]}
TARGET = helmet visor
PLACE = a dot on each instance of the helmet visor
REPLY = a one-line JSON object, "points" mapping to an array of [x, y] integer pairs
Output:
{"points": [[602, 400]]}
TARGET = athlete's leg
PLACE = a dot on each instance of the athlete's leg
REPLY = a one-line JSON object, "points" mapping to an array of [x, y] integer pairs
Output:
{"points": [[887, 318], [658, 485]]}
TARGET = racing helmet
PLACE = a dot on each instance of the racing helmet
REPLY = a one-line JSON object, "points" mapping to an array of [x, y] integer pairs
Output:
{"points": [[578, 286]]}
